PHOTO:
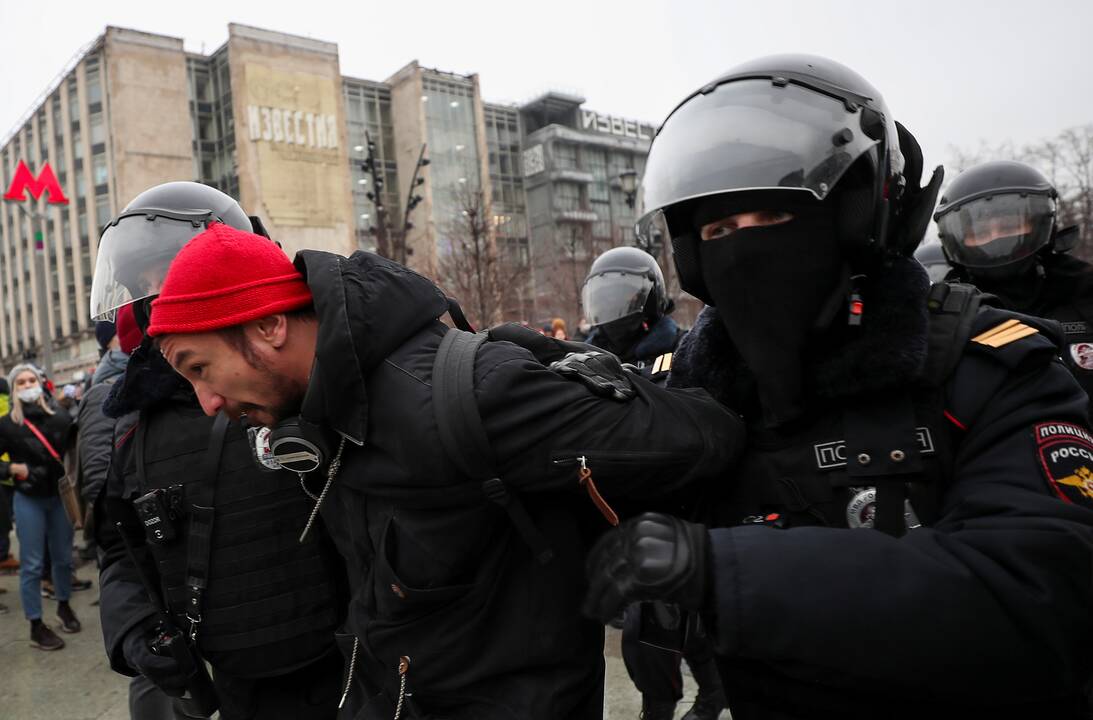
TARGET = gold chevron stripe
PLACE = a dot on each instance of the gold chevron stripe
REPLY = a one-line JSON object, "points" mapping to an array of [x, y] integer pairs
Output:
{"points": [[982, 337], [1013, 332]]}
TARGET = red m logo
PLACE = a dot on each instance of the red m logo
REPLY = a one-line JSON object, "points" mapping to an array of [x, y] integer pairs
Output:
{"points": [[46, 182]]}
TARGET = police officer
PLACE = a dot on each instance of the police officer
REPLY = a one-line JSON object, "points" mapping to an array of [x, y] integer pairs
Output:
{"points": [[910, 530], [999, 228], [219, 535], [625, 299]]}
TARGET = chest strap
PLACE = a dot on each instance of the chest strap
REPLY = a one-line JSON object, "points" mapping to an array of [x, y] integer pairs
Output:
{"points": [[202, 517]]}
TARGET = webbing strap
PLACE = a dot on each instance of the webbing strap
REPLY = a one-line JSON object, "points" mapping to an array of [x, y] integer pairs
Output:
{"points": [[202, 516], [464, 438]]}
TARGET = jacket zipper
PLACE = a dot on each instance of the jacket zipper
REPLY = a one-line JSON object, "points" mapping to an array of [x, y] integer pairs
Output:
{"points": [[584, 478]]}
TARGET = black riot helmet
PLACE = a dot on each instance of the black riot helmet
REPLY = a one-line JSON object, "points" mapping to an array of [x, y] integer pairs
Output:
{"points": [[995, 217], [932, 257], [624, 282], [138, 245], [794, 129]]}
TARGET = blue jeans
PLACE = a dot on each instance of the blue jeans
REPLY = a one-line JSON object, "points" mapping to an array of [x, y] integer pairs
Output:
{"points": [[41, 520]]}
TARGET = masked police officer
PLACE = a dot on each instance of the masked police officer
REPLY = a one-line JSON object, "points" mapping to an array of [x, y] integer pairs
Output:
{"points": [[910, 531], [626, 301], [999, 230], [218, 536]]}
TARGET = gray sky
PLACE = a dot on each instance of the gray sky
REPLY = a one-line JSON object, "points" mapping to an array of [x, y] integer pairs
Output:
{"points": [[954, 72]]}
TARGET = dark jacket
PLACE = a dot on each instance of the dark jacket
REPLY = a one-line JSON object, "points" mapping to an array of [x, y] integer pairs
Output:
{"points": [[441, 577], [272, 602], [661, 338], [985, 610], [23, 446], [96, 436]]}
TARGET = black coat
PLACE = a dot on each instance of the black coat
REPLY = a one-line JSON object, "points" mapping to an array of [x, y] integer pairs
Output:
{"points": [[96, 438], [985, 611], [23, 447], [440, 575]]}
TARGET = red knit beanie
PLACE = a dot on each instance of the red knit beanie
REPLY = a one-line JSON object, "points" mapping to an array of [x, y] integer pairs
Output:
{"points": [[226, 277]]}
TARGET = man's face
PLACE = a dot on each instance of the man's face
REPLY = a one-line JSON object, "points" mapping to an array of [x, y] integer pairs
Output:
{"points": [[998, 227], [238, 381]]}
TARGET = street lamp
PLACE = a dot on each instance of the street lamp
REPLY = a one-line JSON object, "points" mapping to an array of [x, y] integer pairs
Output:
{"points": [[628, 180]]}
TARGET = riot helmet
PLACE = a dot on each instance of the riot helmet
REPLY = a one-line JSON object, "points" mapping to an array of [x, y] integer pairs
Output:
{"points": [[624, 281], [932, 257], [995, 217], [138, 245]]}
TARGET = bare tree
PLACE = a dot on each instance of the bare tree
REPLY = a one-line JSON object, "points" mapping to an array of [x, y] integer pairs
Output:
{"points": [[470, 264]]}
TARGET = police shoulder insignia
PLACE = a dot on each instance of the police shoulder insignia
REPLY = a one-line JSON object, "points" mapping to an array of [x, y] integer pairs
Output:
{"points": [[1005, 333], [662, 364], [1066, 455]]}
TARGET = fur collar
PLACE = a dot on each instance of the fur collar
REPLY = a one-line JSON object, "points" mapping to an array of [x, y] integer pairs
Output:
{"points": [[888, 350]]}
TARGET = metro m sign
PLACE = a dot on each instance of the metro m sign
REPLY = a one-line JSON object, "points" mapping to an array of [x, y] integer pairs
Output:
{"points": [[46, 182]]}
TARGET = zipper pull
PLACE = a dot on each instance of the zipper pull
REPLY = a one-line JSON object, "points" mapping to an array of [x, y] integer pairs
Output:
{"points": [[403, 669], [585, 476]]}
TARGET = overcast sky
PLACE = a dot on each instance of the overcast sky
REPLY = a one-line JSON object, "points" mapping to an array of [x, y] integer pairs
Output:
{"points": [[955, 72]]}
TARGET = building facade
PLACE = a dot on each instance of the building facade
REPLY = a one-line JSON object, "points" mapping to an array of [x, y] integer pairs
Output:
{"points": [[269, 119]]}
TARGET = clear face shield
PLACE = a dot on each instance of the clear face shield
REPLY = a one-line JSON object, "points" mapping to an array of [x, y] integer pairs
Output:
{"points": [[613, 295], [997, 230], [135, 250]]}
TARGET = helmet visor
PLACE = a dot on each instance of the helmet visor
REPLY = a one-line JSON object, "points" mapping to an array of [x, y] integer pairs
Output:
{"points": [[752, 135], [613, 295], [997, 230], [135, 251]]}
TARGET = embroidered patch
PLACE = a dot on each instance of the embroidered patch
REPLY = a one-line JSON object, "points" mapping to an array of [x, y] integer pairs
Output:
{"points": [[1066, 455], [1082, 355], [831, 455], [1076, 328]]}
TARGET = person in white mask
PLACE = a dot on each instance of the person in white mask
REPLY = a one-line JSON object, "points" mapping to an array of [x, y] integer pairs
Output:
{"points": [[34, 434]]}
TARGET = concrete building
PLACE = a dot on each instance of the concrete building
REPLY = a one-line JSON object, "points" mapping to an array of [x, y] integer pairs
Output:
{"points": [[572, 159], [270, 119]]}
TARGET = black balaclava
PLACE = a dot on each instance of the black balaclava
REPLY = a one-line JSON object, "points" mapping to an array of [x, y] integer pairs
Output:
{"points": [[621, 335], [1018, 284], [777, 290]]}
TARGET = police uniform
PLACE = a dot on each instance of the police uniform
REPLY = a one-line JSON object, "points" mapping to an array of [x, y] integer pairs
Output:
{"points": [[267, 616], [905, 516]]}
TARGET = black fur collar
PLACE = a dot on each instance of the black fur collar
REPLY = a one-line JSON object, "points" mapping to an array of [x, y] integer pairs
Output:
{"points": [[888, 350], [148, 379]]}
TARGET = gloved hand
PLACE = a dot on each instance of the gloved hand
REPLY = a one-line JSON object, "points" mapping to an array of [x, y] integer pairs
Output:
{"points": [[163, 671], [650, 557], [916, 205], [600, 371]]}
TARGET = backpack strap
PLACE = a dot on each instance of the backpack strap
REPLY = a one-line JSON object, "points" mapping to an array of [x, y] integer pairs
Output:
{"points": [[463, 435]]}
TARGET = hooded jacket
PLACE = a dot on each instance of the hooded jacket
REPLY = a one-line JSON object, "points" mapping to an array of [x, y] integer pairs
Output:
{"points": [[447, 597]]}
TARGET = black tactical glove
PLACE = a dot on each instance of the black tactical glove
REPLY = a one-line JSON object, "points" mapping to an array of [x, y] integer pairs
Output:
{"points": [[916, 205], [650, 557], [600, 371], [163, 671]]}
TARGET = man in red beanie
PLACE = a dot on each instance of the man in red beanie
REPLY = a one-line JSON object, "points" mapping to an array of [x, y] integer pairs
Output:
{"points": [[467, 592]]}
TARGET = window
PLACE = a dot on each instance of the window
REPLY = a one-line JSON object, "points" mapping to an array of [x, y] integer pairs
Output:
{"points": [[98, 132], [565, 156], [567, 196], [94, 87], [77, 144], [98, 169]]}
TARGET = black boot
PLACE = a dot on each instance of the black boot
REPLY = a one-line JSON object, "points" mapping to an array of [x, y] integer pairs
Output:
{"points": [[657, 709], [710, 700]]}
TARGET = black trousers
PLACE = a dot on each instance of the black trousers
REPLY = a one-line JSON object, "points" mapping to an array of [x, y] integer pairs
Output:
{"points": [[653, 649], [312, 692]]}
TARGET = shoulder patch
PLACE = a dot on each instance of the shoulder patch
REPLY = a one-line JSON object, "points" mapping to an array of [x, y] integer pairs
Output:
{"points": [[663, 363], [1066, 456], [1005, 333]]}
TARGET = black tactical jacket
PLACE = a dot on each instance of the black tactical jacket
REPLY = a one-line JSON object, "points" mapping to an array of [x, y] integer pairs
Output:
{"points": [[982, 607], [445, 589]]}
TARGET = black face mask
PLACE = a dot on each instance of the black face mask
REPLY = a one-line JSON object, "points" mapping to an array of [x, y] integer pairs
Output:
{"points": [[623, 334], [777, 288], [1018, 284]]}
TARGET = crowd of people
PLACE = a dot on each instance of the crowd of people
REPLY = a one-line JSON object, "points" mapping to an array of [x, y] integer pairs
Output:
{"points": [[845, 492]]}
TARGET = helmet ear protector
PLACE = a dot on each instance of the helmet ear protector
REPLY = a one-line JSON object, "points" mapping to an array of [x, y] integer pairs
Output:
{"points": [[293, 444]]}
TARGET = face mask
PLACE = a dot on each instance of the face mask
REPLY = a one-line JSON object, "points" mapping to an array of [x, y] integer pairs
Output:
{"points": [[776, 288], [30, 395], [622, 334]]}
